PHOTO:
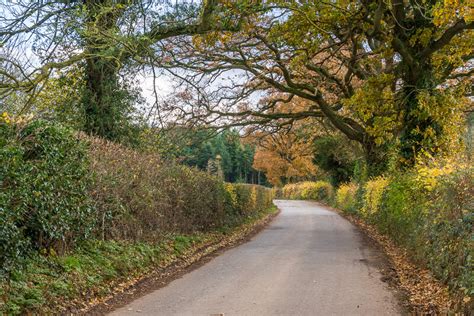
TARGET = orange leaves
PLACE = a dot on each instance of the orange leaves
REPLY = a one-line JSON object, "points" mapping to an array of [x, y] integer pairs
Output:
{"points": [[284, 156]]}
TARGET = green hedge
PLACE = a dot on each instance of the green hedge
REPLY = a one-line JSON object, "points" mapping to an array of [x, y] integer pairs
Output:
{"points": [[44, 180], [58, 188], [432, 219]]}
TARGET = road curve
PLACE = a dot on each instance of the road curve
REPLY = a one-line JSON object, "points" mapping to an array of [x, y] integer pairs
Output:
{"points": [[308, 261]]}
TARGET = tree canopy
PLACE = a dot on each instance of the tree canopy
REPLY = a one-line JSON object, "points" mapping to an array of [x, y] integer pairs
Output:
{"points": [[102, 38], [380, 72], [386, 74]]}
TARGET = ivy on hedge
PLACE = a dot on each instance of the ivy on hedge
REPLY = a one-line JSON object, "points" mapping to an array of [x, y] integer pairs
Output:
{"points": [[58, 188], [44, 178]]}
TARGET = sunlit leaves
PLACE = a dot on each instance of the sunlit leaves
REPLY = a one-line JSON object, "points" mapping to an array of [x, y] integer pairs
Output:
{"points": [[374, 103]]}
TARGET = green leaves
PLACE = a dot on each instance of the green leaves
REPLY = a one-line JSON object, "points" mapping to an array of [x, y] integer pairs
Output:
{"points": [[44, 202]]}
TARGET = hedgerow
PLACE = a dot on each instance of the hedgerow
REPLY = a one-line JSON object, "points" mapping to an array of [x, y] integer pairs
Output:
{"points": [[435, 224], [59, 188], [429, 212], [345, 198], [372, 199], [44, 201], [140, 197], [319, 191]]}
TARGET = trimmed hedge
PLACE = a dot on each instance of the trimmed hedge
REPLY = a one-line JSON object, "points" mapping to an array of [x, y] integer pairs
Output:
{"points": [[435, 223], [346, 198], [58, 188], [140, 197], [319, 191], [430, 213]]}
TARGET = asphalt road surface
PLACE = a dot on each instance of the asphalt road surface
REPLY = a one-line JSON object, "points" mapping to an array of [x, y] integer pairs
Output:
{"points": [[308, 261]]}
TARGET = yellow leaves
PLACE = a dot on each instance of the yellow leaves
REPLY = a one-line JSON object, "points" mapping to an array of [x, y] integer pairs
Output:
{"points": [[5, 117], [454, 53], [445, 107], [307, 190], [346, 196], [230, 189], [373, 195], [374, 103], [9, 119], [429, 171], [422, 36], [253, 197], [448, 11], [210, 39]]}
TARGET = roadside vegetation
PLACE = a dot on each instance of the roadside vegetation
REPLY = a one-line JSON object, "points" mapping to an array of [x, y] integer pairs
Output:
{"points": [[81, 214], [126, 126], [427, 211]]}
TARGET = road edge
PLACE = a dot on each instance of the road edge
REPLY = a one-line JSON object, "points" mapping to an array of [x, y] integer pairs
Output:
{"points": [[421, 293], [182, 265]]}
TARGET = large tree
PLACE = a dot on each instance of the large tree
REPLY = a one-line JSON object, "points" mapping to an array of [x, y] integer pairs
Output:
{"points": [[380, 72], [40, 38]]}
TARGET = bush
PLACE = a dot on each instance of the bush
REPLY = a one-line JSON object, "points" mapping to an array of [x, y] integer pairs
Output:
{"points": [[431, 214], [289, 191], [346, 197], [318, 191], [141, 197], [58, 188], [373, 192], [449, 230], [44, 178], [252, 198]]}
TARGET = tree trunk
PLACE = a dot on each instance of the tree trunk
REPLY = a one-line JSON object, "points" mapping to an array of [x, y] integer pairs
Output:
{"points": [[101, 114], [414, 137], [375, 158], [103, 100]]}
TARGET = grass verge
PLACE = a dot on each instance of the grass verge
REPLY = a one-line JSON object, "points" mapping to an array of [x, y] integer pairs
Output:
{"points": [[97, 270]]}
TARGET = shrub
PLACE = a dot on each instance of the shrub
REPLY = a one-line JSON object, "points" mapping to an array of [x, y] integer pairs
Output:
{"points": [[43, 198], [58, 188], [252, 198], [448, 230], [373, 193], [400, 210], [141, 197], [346, 198], [431, 215], [289, 191], [319, 191]]}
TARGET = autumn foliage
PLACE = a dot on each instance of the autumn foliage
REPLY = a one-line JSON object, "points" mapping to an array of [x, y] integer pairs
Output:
{"points": [[427, 211]]}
